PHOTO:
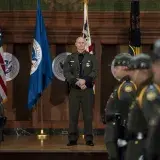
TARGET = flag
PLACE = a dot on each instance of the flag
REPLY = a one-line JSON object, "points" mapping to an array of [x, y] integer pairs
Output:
{"points": [[86, 31], [41, 73], [134, 33], [3, 85]]}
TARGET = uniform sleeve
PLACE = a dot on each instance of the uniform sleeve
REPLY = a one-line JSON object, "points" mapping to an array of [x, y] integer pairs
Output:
{"points": [[110, 109], [92, 76], [132, 117], [136, 120], [150, 104], [153, 139], [152, 109], [67, 71]]}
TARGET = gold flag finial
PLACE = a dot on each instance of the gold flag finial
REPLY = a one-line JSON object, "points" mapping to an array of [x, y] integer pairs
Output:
{"points": [[42, 136]]}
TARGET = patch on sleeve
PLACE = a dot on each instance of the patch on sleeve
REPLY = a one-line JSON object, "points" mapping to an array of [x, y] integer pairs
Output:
{"points": [[151, 96], [128, 88]]}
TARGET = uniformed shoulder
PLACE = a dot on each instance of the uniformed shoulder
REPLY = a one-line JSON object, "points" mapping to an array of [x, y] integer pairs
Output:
{"points": [[152, 92], [89, 55], [70, 56], [128, 83], [127, 86]]}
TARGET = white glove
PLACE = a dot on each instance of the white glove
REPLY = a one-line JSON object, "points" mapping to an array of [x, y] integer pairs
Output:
{"points": [[121, 142], [141, 157], [139, 136]]}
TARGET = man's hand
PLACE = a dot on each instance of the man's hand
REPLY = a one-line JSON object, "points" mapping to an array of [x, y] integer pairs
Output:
{"points": [[81, 82], [77, 83], [121, 142], [83, 87]]}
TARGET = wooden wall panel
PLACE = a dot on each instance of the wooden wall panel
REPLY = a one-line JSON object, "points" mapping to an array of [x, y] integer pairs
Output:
{"points": [[107, 80], [21, 82]]}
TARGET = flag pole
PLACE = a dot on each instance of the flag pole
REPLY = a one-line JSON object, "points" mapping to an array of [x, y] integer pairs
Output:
{"points": [[40, 52], [86, 1], [41, 115], [42, 136]]}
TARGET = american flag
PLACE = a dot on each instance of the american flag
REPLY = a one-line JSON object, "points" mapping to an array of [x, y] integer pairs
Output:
{"points": [[86, 31], [3, 86]]}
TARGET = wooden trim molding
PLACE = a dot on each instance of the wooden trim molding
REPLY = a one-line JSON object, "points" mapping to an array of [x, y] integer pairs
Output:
{"points": [[64, 27]]}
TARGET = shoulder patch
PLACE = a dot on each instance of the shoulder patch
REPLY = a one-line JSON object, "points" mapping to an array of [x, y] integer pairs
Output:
{"points": [[151, 96], [128, 88]]}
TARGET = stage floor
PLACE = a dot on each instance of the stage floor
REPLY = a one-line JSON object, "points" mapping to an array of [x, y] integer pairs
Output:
{"points": [[51, 144]]}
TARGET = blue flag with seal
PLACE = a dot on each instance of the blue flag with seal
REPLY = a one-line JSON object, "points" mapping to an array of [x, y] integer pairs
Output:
{"points": [[41, 73]]}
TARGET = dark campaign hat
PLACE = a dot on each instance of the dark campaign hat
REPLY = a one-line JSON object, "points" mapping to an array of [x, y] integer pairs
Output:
{"points": [[156, 51], [155, 57], [156, 47], [122, 59], [140, 61]]}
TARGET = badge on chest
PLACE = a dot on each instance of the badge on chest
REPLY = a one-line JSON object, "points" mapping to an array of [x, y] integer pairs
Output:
{"points": [[88, 64]]}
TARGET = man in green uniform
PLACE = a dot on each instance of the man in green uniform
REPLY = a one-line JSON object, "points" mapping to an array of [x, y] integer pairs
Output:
{"points": [[153, 139], [143, 108], [116, 111], [80, 71]]}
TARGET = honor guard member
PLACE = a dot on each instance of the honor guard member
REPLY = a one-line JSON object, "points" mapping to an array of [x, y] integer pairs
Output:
{"points": [[80, 71], [153, 139], [143, 108], [116, 110]]}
